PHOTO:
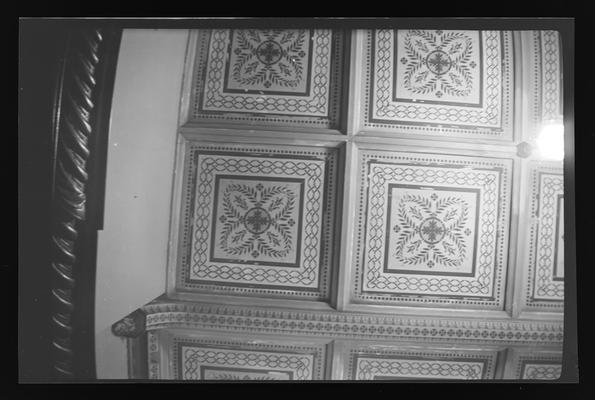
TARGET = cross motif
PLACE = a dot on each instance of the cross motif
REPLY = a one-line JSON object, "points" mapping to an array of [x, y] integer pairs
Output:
{"points": [[257, 220], [438, 62], [269, 52], [432, 230], [268, 57]]}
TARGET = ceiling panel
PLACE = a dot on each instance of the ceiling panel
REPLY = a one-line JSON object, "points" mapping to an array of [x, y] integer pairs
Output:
{"points": [[534, 364], [258, 220], [453, 244], [543, 261], [433, 230], [382, 362], [192, 356], [435, 82], [271, 77]]}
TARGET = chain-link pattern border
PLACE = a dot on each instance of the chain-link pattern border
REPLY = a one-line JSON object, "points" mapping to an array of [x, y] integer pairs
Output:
{"points": [[550, 186], [317, 104], [493, 119], [307, 273], [377, 280]]}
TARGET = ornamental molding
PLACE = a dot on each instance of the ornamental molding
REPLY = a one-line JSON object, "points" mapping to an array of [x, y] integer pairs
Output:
{"points": [[347, 325], [131, 326], [82, 93]]}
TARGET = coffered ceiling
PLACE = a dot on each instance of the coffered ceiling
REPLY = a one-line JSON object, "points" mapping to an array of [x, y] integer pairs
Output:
{"points": [[354, 205]]}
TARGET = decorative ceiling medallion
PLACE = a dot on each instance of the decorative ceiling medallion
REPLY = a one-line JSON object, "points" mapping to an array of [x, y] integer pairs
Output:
{"points": [[544, 282], [434, 230], [375, 363], [258, 220], [221, 358], [274, 76], [459, 81]]}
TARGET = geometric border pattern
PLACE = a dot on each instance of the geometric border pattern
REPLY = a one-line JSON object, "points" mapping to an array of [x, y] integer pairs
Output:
{"points": [[551, 106], [543, 290], [265, 109], [312, 280], [266, 320], [493, 120], [299, 362], [494, 264], [153, 352], [539, 365], [541, 371], [430, 364], [546, 94]]}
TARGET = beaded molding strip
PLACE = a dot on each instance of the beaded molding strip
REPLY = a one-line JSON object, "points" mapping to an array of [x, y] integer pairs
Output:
{"points": [[350, 325]]}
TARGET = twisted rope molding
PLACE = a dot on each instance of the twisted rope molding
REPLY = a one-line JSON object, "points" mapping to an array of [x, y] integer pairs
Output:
{"points": [[69, 198], [350, 325]]}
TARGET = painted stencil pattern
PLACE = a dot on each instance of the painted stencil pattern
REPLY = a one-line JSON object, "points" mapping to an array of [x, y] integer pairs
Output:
{"points": [[196, 362], [274, 60], [458, 80], [258, 219], [432, 230], [384, 369], [286, 76], [223, 359], [438, 65], [244, 375], [427, 364], [545, 283], [541, 371], [534, 365], [551, 75]]}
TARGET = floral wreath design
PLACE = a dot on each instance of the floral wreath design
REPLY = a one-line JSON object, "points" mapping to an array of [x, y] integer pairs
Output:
{"points": [[431, 230], [257, 220], [269, 57], [438, 57]]}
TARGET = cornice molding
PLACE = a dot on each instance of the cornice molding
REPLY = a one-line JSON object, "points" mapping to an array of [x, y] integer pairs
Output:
{"points": [[343, 325]]}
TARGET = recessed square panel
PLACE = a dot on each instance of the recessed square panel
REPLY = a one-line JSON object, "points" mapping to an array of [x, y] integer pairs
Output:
{"points": [[457, 81], [427, 363], [544, 276], [231, 359], [433, 230], [274, 76], [258, 220], [440, 67], [269, 61]]}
